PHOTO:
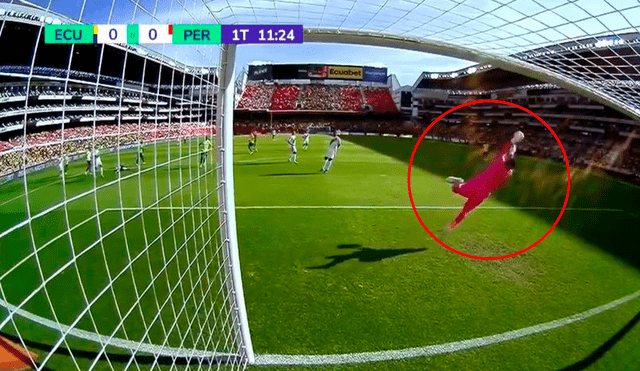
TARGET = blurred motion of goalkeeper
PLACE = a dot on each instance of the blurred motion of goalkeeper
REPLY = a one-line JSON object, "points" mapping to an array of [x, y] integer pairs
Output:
{"points": [[482, 185]]}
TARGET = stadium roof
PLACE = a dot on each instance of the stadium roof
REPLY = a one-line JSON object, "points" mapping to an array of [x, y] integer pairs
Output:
{"points": [[496, 32]]}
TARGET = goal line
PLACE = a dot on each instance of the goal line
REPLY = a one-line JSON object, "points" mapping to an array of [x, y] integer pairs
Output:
{"points": [[367, 207], [438, 349]]}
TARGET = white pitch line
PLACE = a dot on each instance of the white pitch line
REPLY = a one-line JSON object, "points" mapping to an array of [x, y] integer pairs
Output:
{"points": [[262, 160], [427, 207], [30, 191], [367, 207], [438, 349], [115, 342]]}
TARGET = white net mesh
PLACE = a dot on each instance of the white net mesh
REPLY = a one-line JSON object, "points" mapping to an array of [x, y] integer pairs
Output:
{"points": [[593, 43], [113, 255]]}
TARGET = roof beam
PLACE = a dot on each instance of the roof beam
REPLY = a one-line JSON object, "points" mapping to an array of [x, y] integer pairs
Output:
{"points": [[506, 63]]}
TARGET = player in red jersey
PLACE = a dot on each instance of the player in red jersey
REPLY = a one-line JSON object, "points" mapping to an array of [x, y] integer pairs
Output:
{"points": [[482, 185]]}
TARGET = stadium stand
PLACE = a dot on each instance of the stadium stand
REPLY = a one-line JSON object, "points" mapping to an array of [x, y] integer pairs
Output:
{"points": [[256, 97], [89, 101], [315, 97], [593, 135], [350, 99], [285, 97], [380, 100], [320, 98], [42, 147]]}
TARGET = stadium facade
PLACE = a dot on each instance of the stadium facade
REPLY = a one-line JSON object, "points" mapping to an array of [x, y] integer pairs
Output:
{"points": [[45, 87], [593, 134], [272, 94]]}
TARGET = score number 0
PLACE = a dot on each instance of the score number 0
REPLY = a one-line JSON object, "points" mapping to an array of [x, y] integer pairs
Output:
{"points": [[112, 34], [155, 34]]}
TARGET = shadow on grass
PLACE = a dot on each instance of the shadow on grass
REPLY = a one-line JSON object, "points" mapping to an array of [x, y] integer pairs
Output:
{"points": [[121, 357], [364, 255], [604, 348], [538, 183]]}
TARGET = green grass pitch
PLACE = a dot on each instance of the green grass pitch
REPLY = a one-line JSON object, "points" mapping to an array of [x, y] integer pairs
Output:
{"points": [[346, 275]]}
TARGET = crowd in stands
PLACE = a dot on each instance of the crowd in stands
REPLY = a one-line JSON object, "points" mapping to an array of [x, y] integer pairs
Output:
{"points": [[256, 97], [37, 148], [612, 153], [316, 97], [321, 98], [351, 99], [78, 75], [89, 93], [285, 97], [379, 99]]}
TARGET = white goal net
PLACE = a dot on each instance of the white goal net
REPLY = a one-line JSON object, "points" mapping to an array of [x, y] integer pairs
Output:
{"points": [[116, 224]]}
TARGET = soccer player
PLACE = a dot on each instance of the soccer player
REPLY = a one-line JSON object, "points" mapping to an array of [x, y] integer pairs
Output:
{"points": [[485, 149], [273, 134], [88, 169], [305, 141], [63, 165], [98, 162], [120, 169], [253, 138], [205, 147], [482, 185], [140, 155], [292, 147], [332, 150]]}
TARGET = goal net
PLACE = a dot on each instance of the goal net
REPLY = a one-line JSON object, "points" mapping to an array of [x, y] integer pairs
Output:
{"points": [[117, 232]]}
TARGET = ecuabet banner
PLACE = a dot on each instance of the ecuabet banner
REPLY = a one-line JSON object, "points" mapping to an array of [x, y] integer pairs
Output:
{"points": [[346, 73]]}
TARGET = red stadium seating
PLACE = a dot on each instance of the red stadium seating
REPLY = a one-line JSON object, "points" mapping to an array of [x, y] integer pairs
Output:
{"points": [[315, 98], [320, 98], [350, 99], [380, 100], [256, 97], [285, 97]]}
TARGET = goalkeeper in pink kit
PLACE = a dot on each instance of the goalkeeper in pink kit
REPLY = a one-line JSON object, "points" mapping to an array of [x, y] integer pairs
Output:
{"points": [[482, 185]]}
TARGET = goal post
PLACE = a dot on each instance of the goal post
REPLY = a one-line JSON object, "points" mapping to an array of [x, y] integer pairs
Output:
{"points": [[145, 249], [226, 199]]}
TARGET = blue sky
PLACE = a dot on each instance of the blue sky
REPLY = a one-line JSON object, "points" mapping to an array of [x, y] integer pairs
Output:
{"points": [[406, 65], [499, 27]]}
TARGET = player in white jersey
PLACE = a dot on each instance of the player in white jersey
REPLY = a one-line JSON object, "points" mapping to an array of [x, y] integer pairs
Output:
{"points": [[332, 150], [97, 160], [305, 140], [291, 141], [63, 165]]}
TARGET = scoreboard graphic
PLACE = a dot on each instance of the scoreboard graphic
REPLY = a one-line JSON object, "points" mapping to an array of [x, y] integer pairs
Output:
{"points": [[176, 34]]}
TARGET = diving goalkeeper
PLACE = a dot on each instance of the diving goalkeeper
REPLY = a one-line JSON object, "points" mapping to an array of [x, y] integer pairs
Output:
{"points": [[482, 185]]}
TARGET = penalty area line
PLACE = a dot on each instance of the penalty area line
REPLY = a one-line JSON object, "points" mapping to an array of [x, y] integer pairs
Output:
{"points": [[438, 349]]}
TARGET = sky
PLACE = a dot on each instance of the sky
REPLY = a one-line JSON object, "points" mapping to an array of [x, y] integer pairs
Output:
{"points": [[502, 27], [406, 65]]}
